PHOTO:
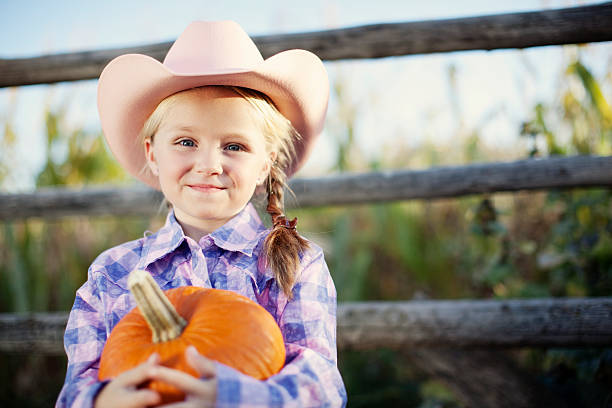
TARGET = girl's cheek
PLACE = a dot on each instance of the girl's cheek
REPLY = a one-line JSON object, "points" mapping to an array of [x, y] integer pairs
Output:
{"points": [[172, 172], [181, 160]]}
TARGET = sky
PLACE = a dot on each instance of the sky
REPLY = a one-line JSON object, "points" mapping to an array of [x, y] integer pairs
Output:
{"points": [[410, 100]]}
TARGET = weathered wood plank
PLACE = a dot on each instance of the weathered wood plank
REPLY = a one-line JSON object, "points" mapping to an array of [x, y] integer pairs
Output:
{"points": [[533, 174], [397, 325], [583, 24], [41, 333], [476, 323], [441, 182], [61, 202]]}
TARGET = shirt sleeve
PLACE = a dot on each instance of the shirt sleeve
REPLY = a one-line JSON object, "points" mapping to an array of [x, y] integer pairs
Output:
{"points": [[83, 341], [310, 377]]}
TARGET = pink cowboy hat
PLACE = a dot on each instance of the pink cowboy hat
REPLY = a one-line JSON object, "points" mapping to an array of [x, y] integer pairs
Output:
{"points": [[208, 53]]}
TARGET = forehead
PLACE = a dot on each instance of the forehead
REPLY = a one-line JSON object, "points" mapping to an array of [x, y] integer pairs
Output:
{"points": [[208, 97], [212, 108]]}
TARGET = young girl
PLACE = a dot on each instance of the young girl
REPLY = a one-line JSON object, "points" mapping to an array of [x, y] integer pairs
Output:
{"points": [[209, 127]]}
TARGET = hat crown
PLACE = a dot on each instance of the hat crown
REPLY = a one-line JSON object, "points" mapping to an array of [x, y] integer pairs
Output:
{"points": [[220, 46]]}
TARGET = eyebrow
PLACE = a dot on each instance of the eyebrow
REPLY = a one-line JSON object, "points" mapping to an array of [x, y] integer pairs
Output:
{"points": [[191, 129], [185, 128]]}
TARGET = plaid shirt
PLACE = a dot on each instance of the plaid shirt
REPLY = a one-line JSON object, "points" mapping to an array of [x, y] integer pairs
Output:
{"points": [[229, 258]]}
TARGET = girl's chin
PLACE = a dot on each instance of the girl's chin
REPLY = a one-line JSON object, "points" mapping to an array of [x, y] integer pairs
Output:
{"points": [[202, 222], [207, 215]]}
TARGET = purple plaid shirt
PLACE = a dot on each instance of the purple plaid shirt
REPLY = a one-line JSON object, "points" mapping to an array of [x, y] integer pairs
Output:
{"points": [[229, 258]]}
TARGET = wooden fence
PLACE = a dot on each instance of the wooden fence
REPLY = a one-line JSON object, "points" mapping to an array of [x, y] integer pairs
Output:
{"points": [[410, 325], [517, 30], [532, 174]]}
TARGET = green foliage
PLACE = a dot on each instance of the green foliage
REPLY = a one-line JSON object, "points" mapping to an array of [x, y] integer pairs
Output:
{"points": [[8, 139], [581, 241], [30, 381], [583, 110], [582, 377], [41, 273], [599, 104], [86, 160], [375, 379]]}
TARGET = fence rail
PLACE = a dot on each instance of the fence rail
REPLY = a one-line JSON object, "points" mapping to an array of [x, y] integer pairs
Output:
{"points": [[532, 174], [516, 30], [397, 325]]}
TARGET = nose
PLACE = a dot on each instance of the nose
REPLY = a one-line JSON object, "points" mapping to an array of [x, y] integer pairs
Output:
{"points": [[208, 162]]}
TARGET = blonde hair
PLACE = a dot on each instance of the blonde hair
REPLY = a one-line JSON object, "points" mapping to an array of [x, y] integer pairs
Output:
{"points": [[283, 245]]}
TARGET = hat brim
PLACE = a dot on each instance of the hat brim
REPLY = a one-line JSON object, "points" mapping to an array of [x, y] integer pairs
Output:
{"points": [[132, 85]]}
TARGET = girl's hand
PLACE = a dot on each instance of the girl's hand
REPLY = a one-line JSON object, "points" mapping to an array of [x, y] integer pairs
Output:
{"points": [[199, 392], [123, 391]]}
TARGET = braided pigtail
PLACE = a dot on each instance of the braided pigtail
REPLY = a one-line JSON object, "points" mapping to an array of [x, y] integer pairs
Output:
{"points": [[283, 245]]}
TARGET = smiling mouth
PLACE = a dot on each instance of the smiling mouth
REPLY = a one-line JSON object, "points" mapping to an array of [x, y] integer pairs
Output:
{"points": [[205, 188]]}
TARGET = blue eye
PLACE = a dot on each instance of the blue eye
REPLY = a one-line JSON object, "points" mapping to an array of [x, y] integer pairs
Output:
{"points": [[186, 143], [234, 147]]}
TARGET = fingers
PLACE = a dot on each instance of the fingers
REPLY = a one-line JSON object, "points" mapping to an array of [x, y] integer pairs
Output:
{"points": [[143, 398], [203, 366], [185, 382], [199, 392], [121, 397], [190, 404], [123, 392], [140, 373]]}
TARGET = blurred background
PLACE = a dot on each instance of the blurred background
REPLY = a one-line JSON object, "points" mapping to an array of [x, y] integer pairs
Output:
{"points": [[393, 113]]}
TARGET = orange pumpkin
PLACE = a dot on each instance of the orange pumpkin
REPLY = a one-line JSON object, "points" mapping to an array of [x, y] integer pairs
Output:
{"points": [[222, 325]]}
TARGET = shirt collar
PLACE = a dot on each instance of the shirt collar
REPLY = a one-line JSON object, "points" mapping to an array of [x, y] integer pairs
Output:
{"points": [[242, 234]]}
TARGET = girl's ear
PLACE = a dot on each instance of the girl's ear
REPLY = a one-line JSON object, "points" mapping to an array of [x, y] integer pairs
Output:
{"points": [[150, 156], [266, 168]]}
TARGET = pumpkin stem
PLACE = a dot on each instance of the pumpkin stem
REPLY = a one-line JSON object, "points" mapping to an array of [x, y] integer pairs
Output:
{"points": [[163, 319]]}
